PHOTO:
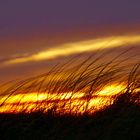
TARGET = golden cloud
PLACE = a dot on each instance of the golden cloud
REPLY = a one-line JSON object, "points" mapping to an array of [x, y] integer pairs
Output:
{"points": [[79, 47]]}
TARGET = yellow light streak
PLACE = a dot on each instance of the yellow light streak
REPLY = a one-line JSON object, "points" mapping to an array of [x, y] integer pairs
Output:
{"points": [[79, 47], [111, 90]]}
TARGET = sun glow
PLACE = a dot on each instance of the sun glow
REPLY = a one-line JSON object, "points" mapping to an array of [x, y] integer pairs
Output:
{"points": [[111, 90], [62, 102], [79, 47]]}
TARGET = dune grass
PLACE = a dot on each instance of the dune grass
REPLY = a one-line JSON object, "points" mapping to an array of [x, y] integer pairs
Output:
{"points": [[61, 120]]}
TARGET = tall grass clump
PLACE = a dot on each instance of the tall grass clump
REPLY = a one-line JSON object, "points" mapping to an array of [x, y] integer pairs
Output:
{"points": [[65, 83]]}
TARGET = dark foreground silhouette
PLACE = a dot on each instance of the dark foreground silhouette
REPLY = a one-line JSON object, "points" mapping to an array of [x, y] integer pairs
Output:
{"points": [[120, 121]]}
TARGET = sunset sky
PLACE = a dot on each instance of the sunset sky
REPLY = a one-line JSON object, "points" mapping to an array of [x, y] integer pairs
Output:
{"points": [[35, 35]]}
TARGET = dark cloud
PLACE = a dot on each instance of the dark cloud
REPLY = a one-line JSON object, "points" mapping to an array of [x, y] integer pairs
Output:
{"points": [[19, 18]]}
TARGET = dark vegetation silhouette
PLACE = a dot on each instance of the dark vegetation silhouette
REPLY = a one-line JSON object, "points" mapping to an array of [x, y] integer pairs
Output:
{"points": [[119, 120]]}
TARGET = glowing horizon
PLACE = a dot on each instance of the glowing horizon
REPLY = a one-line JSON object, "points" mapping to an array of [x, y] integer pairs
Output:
{"points": [[17, 103]]}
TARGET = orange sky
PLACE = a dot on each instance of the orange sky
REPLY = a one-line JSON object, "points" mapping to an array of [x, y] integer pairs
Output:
{"points": [[20, 48]]}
